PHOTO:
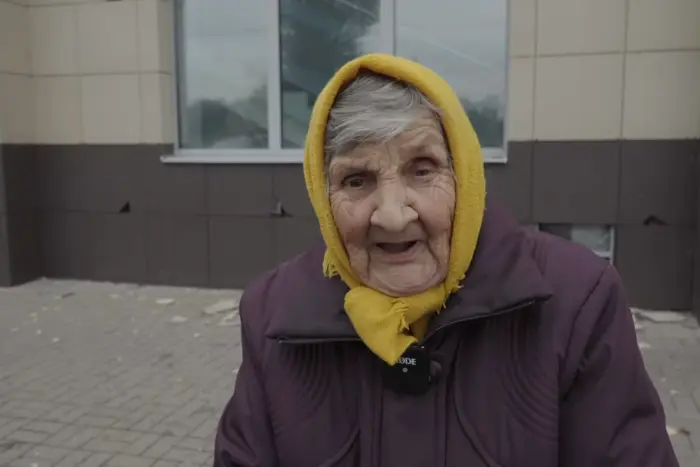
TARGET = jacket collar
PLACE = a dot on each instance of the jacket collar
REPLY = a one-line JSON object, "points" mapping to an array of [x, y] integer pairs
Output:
{"points": [[503, 277]]}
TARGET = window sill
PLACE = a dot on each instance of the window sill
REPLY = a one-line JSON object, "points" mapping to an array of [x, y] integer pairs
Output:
{"points": [[265, 156]]}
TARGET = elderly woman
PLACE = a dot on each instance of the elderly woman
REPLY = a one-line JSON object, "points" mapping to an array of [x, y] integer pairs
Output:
{"points": [[430, 329]]}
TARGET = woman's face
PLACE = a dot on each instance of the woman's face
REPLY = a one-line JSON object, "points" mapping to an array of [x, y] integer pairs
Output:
{"points": [[393, 205]]}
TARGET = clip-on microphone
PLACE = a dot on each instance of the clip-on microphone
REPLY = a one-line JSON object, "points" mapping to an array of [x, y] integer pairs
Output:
{"points": [[411, 374]]}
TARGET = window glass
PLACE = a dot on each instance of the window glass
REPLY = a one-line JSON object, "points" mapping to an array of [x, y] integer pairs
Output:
{"points": [[466, 43], [239, 89], [222, 58], [316, 38]]}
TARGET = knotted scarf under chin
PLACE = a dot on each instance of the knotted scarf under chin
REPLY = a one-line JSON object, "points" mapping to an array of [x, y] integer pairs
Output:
{"points": [[389, 325]]}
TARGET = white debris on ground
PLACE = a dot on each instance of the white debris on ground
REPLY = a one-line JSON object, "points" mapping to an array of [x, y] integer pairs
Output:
{"points": [[154, 364], [223, 306], [78, 330], [680, 390], [231, 319], [660, 316]]}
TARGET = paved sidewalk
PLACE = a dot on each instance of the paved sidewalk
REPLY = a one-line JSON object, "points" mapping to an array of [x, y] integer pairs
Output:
{"points": [[671, 349], [123, 376], [103, 375]]}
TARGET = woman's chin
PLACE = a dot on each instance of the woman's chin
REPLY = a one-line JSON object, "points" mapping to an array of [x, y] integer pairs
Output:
{"points": [[404, 285]]}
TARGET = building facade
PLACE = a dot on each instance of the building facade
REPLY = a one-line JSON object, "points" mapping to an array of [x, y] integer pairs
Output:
{"points": [[158, 141]]}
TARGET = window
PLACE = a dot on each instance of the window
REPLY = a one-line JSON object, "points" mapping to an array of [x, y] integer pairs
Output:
{"points": [[600, 239], [249, 71]]}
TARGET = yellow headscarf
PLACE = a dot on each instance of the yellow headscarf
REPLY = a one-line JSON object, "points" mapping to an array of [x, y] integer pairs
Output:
{"points": [[381, 321]]}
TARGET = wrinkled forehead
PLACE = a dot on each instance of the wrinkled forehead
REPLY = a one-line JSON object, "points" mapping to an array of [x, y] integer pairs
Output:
{"points": [[376, 110], [425, 137]]}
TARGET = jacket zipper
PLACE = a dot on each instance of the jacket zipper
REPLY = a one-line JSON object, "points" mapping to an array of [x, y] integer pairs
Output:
{"points": [[332, 340], [318, 340], [500, 312]]}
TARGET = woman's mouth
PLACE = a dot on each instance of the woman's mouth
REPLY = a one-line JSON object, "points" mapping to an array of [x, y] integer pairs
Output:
{"points": [[397, 252], [396, 247]]}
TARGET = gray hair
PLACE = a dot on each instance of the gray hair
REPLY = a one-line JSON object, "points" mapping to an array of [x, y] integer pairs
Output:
{"points": [[373, 109]]}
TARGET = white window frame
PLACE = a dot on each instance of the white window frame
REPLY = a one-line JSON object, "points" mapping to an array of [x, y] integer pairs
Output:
{"points": [[275, 153]]}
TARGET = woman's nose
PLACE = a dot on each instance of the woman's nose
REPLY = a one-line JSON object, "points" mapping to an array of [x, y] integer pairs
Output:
{"points": [[393, 213]]}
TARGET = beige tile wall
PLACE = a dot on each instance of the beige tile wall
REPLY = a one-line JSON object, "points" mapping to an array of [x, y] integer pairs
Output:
{"points": [[102, 71], [90, 71], [604, 69], [15, 79]]}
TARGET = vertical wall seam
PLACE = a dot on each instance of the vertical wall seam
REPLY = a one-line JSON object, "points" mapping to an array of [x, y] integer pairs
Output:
{"points": [[621, 142], [533, 145], [137, 18], [208, 219], [534, 72], [79, 74], [624, 69]]}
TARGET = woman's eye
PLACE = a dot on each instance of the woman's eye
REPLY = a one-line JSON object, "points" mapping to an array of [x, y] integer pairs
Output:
{"points": [[354, 181], [424, 169]]}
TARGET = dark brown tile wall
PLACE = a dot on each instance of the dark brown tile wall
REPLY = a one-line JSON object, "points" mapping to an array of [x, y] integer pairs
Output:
{"points": [[23, 246], [646, 196], [17, 167], [656, 264], [94, 245], [175, 189], [696, 256], [87, 178], [118, 213], [293, 235], [511, 183], [239, 190], [657, 222], [289, 188], [20, 258], [240, 248], [67, 244], [5, 267], [177, 249], [576, 182]]}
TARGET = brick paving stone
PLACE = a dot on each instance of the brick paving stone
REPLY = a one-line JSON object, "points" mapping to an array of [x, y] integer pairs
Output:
{"points": [[49, 453], [130, 461], [11, 451], [144, 441], [186, 455], [206, 429], [66, 413], [101, 445], [99, 422], [29, 462], [164, 463], [74, 458], [82, 436], [12, 426], [96, 460], [161, 447], [24, 436], [50, 428], [124, 386]]}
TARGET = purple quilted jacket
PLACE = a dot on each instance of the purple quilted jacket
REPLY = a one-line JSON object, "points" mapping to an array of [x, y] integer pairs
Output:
{"points": [[534, 363]]}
